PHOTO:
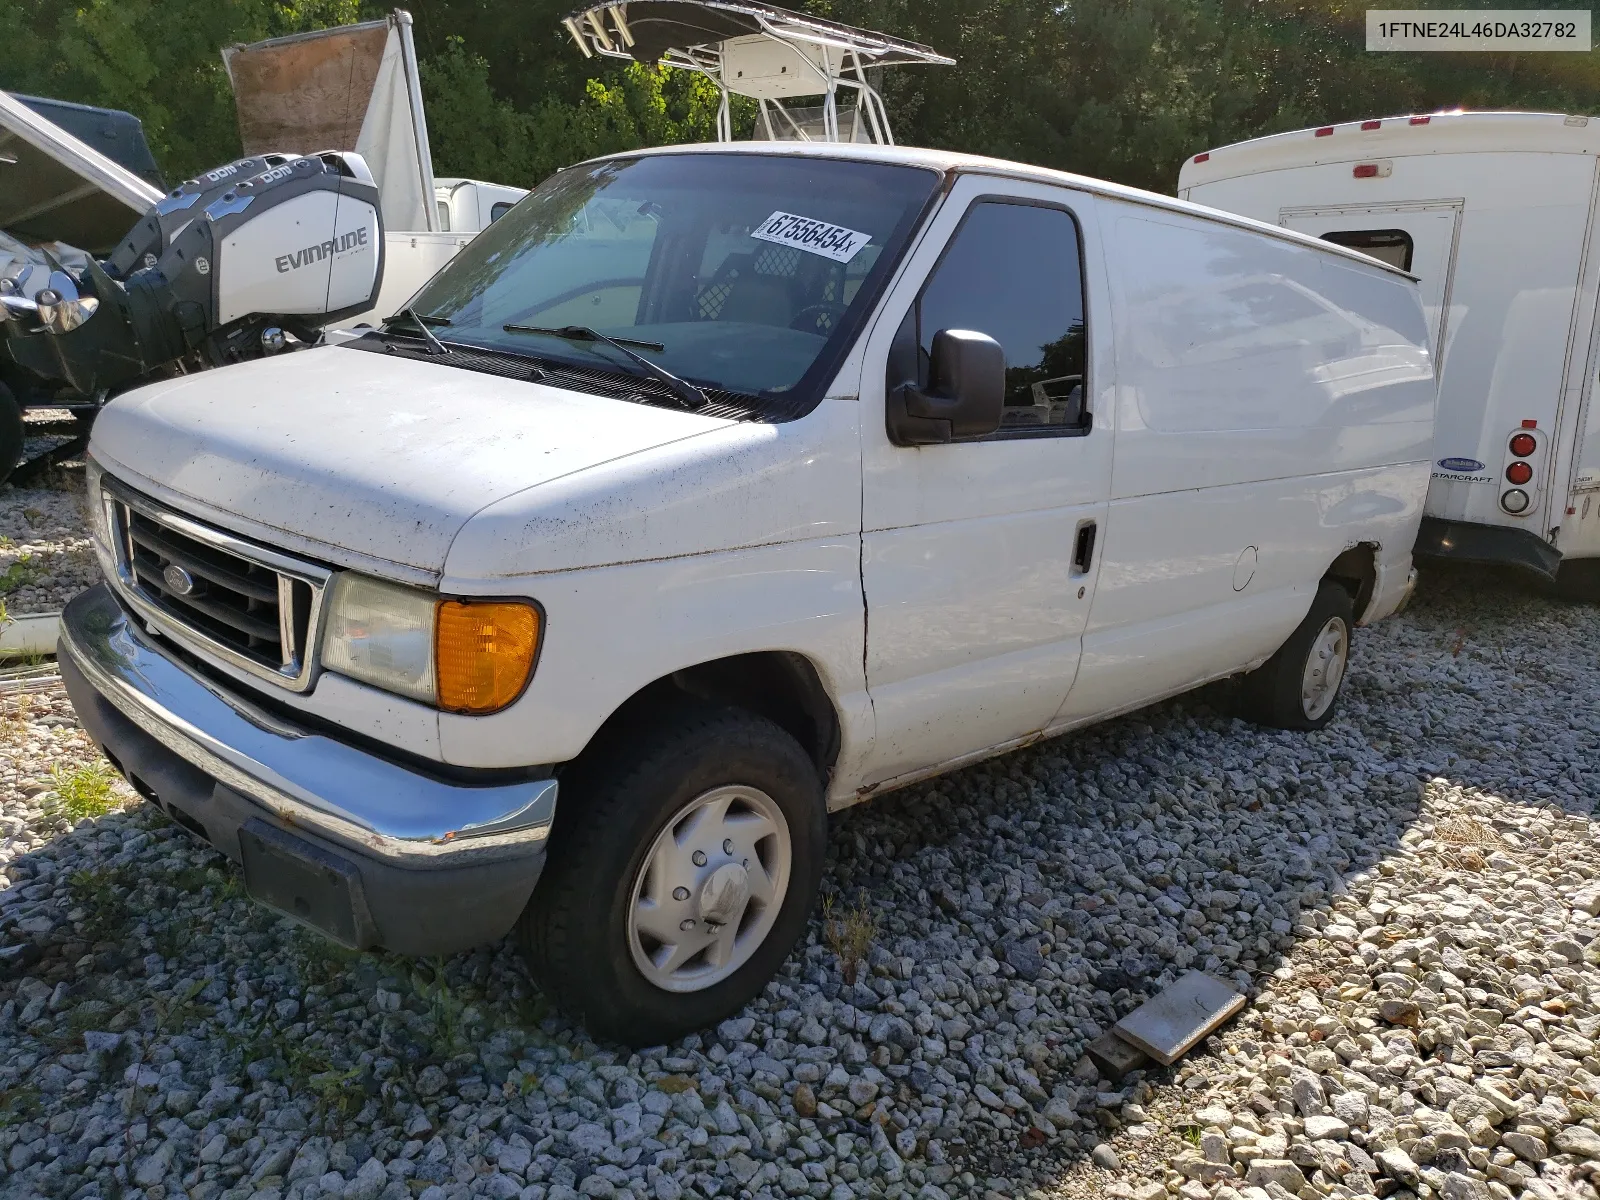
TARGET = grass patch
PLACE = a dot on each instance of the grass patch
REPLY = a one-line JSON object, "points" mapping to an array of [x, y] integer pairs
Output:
{"points": [[446, 1009], [849, 936], [318, 959], [20, 573], [338, 1093], [18, 1104], [84, 792], [107, 914]]}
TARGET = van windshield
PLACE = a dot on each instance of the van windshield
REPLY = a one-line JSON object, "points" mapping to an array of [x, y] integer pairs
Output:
{"points": [[739, 273]]}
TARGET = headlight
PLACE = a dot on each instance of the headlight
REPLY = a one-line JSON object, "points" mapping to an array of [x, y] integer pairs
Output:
{"points": [[382, 634], [463, 656], [102, 523]]}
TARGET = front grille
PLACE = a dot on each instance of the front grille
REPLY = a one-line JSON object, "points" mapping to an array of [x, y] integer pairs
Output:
{"points": [[249, 605]]}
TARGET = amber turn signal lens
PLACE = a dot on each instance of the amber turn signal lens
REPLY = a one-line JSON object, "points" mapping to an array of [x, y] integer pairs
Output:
{"points": [[483, 653]]}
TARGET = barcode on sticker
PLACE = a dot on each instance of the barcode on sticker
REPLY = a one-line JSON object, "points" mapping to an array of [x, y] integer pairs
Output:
{"points": [[814, 237]]}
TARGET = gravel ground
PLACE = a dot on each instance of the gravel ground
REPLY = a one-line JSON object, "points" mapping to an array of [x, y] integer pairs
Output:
{"points": [[1407, 896], [46, 556]]}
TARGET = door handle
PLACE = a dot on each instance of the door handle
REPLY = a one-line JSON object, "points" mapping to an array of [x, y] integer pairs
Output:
{"points": [[1083, 549]]}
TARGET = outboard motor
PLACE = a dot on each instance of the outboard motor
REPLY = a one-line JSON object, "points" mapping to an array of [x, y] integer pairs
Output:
{"points": [[225, 268]]}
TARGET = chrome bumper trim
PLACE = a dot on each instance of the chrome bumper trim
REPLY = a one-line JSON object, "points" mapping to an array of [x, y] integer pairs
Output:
{"points": [[302, 777]]}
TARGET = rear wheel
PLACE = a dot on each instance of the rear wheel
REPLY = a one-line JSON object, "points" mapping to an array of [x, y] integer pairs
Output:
{"points": [[1298, 687], [10, 433], [1578, 579], [685, 862]]}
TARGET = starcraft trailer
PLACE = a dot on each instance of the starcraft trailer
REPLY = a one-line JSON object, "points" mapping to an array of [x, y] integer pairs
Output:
{"points": [[1495, 214]]}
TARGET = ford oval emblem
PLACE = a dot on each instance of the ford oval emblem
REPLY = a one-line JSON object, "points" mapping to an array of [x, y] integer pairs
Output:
{"points": [[179, 582], [1468, 465]]}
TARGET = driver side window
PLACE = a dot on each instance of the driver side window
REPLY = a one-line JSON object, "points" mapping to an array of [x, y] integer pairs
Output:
{"points": [[1014, 271]]}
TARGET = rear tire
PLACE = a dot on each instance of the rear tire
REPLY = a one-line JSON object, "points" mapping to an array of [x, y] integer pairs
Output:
{"points": [[10, 433], [1299, 686], [693, 818], [1578, 579]]}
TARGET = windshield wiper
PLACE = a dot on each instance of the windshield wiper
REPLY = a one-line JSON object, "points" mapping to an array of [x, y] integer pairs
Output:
{"points": [[685, 391], [422, 321], [582, 333]]}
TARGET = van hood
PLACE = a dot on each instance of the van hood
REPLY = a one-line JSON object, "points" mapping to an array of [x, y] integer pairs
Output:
{"points": [[360, 459]]}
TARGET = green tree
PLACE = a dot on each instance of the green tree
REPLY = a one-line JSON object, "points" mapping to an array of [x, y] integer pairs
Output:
{"points": [[1122, 89], [479, 134], [158, 59]]}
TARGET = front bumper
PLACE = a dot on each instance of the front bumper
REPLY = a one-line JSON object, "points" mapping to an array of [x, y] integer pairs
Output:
{"points": [[365, 850]]}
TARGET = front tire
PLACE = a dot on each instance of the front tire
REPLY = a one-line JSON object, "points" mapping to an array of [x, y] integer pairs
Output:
{"points": [[1298, 687], [684, 865]]}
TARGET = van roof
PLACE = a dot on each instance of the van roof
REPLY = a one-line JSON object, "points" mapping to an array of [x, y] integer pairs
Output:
{"points": [[1433, 133], [949, 162]]}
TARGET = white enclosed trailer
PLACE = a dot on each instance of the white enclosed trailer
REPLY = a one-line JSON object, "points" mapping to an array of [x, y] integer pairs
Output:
{"points": [[1495, 214]]}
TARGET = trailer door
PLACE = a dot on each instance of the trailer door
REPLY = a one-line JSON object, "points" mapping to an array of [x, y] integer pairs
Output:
{"points": [[1420, 238]]}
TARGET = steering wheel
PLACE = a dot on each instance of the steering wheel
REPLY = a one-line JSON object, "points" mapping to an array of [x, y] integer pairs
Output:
{"points": [[818, 318]]}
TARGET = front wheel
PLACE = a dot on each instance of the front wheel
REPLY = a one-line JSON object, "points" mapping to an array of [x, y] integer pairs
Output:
{"points": [[684, 865], [1298, 687]]}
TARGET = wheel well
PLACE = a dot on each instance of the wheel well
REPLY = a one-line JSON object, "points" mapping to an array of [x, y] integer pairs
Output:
{"points": [[1356, 570], [779, 685]]}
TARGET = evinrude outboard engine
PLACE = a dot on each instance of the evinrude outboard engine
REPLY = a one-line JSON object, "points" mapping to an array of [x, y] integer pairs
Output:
{"points": [[225, 268]]}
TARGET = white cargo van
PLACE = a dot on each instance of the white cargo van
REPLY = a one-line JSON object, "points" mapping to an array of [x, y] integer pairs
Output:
{"points": [[1495, 214], [716, 488]]}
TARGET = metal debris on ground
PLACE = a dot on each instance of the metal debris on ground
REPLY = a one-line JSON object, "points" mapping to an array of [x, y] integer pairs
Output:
{"points": [[1171, 1023]]}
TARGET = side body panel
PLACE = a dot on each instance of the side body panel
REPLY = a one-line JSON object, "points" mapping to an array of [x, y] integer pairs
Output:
{"points": [[1517, 334], [744, 542], [1274, 407], [1433, 230]]}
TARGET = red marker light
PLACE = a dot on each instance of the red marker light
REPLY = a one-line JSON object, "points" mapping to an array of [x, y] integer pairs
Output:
{"points": [[1365, 170], [1420, 120], [1527, 424], [1371, 124], [1325, 131], [1523, 444], [1206, 157], [1519, 472]]}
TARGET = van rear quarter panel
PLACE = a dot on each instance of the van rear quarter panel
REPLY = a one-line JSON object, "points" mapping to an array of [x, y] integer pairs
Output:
{"points": [[1511, 301], [1274, 406]]}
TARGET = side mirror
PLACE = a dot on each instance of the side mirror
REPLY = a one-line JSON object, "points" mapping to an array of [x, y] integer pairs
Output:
{"points": [[966, 394]]}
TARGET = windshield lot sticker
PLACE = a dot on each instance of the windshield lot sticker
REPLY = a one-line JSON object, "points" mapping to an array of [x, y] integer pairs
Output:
{"points": [[814, 237]]}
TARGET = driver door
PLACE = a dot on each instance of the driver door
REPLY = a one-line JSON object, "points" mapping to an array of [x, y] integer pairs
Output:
{"points": [[979, 557]]}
